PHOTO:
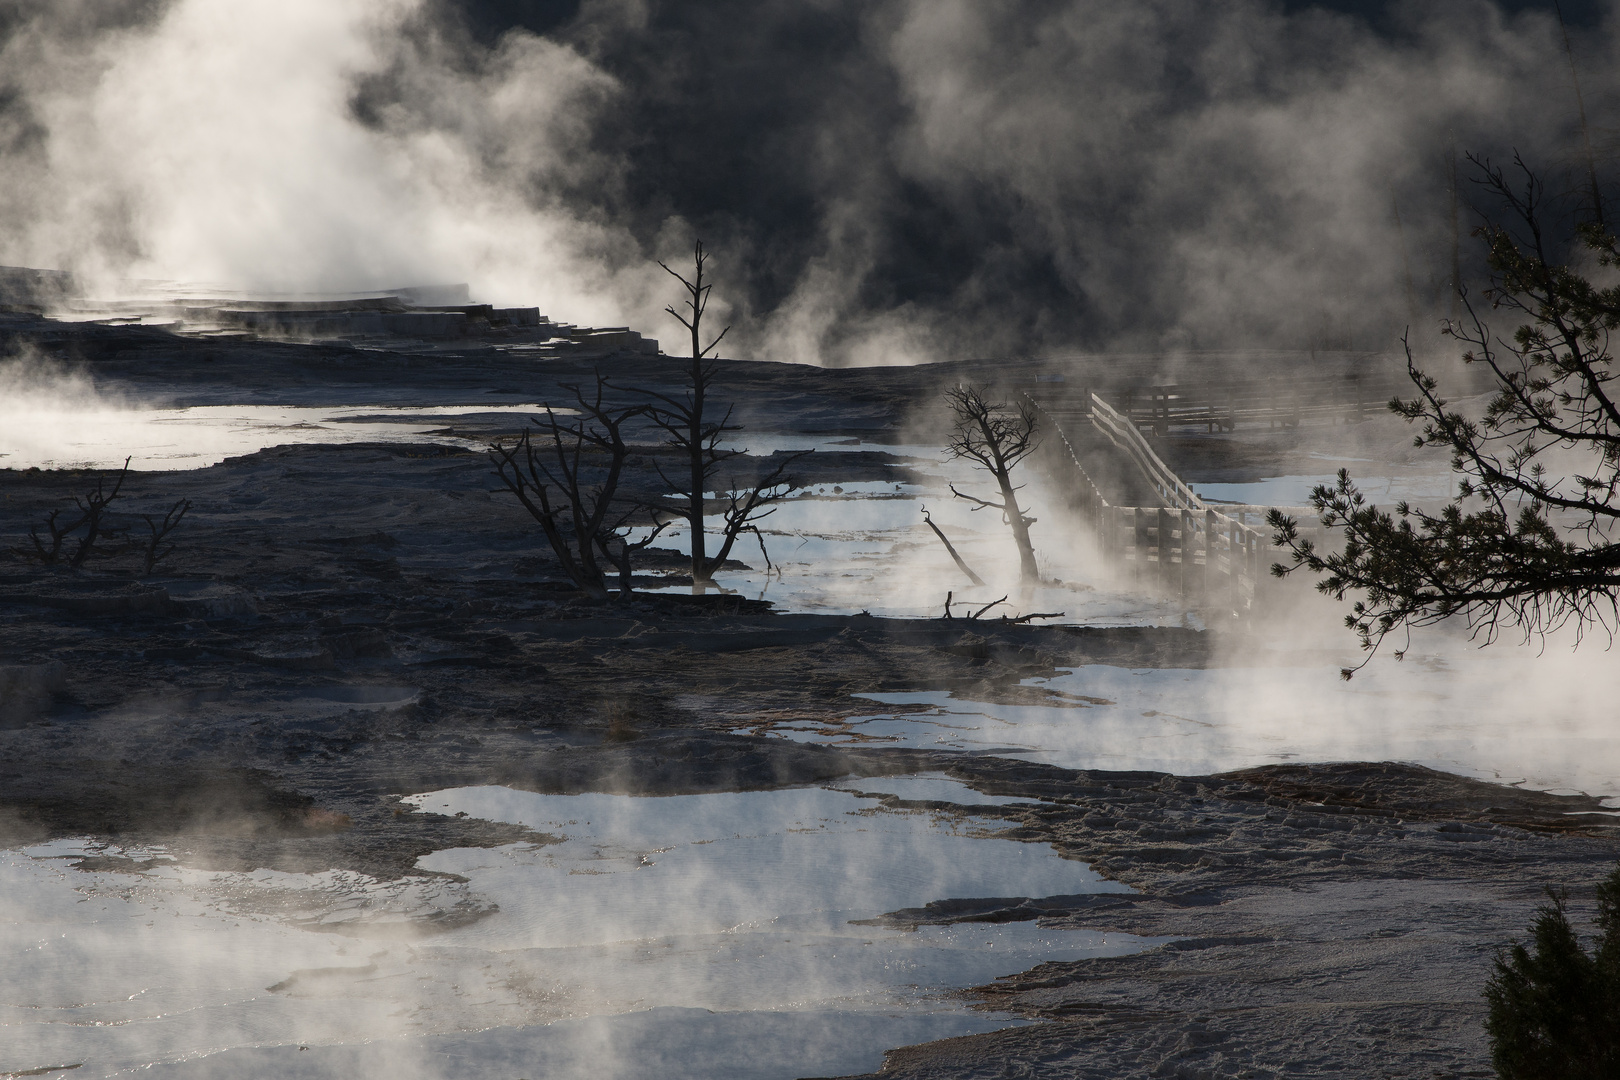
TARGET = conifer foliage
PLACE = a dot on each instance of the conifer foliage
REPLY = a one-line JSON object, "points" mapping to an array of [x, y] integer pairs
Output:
{"points": [[1532, 538], [1554, 1007]]}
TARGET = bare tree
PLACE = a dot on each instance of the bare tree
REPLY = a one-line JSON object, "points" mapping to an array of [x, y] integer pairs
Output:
{"points": [[580, 520], [91, 518], [59, 531], [996, 437], [160, 530], [699, 439], [94, 508], [1529, 540]]}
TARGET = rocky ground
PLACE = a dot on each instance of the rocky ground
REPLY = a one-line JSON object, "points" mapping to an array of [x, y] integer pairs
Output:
{"points": [[342, 626], [1335, 920]]}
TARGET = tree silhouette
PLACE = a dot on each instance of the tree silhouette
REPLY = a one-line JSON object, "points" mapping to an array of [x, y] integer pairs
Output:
{"points": [[995, 438], [699, 439], [1554, 1008], [1528, 541], [582, 521]]}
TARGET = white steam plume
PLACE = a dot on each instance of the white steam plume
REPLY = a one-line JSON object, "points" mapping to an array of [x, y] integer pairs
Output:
{"points": [[1196, 175], [1057, 174], [218, 143]]}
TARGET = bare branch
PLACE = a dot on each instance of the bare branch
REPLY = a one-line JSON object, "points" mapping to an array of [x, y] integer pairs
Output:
{"points": [[960, 565], [1034, 615], [160, 530], [987, 607]]}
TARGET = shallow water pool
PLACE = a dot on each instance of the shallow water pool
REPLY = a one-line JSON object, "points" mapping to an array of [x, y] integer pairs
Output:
{"points": [[629, 927], [48, 434], [1515, 714]]}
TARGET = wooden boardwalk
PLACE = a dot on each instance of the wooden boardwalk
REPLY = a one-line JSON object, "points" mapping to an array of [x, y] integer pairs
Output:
{"points": [[1272, 403], [1217, 557]]}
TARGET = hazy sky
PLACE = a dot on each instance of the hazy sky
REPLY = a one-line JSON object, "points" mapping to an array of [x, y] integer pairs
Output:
{"points": [[880, 181]]}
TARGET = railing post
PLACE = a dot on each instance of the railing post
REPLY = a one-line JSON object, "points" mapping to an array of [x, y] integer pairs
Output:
{"points": [[1139, 540], [1187, 559], [1166, 568], [1250, 552], [1209, 553]]}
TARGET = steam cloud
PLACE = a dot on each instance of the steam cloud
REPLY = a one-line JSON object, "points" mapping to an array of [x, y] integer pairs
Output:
{"points": [[884, 182]]}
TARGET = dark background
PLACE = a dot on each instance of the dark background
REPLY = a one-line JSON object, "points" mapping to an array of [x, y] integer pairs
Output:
{"points": [[724, 118]]}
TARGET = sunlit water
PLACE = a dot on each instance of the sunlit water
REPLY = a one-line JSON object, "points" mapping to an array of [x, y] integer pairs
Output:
{"points": [[1510, 713], [848, 548], [1431, 484], [49, 435], [630, 921]]}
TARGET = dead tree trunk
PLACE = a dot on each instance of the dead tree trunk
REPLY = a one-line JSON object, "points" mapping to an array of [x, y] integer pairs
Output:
{"points": [[996, 438], [699, 440], [556, 493]]}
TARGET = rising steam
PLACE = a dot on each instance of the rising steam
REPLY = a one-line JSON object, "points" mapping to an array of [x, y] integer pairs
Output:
{"points": [[883, 182]]}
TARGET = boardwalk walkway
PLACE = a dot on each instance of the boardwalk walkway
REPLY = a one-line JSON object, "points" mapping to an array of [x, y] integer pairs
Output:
{"points": [[1148, 520]]}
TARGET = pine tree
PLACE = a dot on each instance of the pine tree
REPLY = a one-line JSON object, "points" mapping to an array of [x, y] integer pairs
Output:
{"points": [[1554, 1007]]}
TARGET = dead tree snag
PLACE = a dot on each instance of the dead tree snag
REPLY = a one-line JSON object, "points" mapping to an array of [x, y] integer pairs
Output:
{"points": [[995, 438], [699, 439], [91, 518], [581, 521]]}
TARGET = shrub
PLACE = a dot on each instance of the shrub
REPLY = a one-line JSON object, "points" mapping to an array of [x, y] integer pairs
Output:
{"points": [[1554, 1007]]}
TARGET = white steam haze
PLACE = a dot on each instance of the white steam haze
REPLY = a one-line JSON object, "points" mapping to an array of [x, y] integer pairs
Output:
{"points": [[881, 183], [214, 144]]}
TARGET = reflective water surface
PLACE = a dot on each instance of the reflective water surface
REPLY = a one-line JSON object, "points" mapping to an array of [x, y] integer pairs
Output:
{"points": [[727, 914]]}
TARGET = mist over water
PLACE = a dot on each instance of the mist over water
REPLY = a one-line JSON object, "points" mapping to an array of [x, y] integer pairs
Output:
{"points": [[888, 182], [679, 936], [881, 183]]}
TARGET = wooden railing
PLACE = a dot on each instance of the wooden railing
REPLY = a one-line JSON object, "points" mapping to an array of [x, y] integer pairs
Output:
{"points": [[1203, 555], [1283, 403], [1196, 551], [1123, 434]]}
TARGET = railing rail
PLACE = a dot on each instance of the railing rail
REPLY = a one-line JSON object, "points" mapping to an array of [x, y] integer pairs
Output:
{"points": [[1348, 397], [1185, 547], [1123, 434]]}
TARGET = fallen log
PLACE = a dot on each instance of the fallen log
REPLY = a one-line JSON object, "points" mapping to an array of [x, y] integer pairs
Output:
{"points": [[960, 565]]}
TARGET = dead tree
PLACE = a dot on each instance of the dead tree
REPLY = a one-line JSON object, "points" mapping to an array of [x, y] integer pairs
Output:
{"points": [[51, 555], [94, 507], [580, 520], [747, 506], [160, 530], [698, 438], [995, 438], [92, 519]]}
